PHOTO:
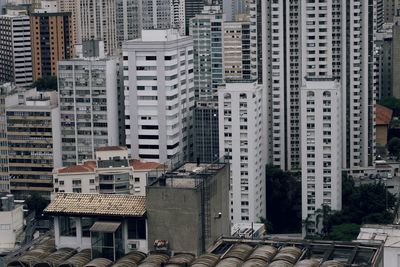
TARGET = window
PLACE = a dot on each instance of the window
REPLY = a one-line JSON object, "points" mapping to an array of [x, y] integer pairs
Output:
{"points": [[86, 224], [67, 226], [136, 228]]}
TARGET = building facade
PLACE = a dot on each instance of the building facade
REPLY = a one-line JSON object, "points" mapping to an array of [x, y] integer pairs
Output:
{"points": [[178, 15], [321, 128], [4, 179], [345, 42], [98, 22], [207, 30], [129, 21], [156, 14], [192, 8], [33, 136], [159, 95], [237, 62], [88, 107], [72, 6], [242, 142], [205, 132], [51, 41], [16, 52]]}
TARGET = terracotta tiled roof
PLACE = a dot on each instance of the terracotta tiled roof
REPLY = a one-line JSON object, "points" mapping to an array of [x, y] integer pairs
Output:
{"points": [[97, 205], [111, 148], [87, 166], [142, 165], [383, 115]]}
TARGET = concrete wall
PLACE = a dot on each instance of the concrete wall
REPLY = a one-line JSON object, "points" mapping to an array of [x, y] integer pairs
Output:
{"points": [[175, 214]]}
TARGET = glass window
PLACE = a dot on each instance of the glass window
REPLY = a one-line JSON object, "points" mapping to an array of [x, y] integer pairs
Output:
{"points": [[67, 226], [136, 228], [86, 224]]}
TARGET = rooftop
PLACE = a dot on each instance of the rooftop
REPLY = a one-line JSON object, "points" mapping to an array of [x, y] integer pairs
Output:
{"points": [[97, 205], [145, 165], [188, 175], [87, 166], [383, 115], [227, 252]]}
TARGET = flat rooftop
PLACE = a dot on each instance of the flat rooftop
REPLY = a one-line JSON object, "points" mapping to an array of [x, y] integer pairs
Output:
{"points": [[188, 175]]}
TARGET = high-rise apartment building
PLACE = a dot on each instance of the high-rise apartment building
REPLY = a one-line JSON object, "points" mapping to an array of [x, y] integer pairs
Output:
{"points": [[33, 136], [232, 8], [72, 6], [4, 178], [192, 8], [321, 131], [128, 20], [237, 62], [313, 45], [15, 52], [51, 42], [242, 142], [156, 14], [178, 15], [207, 30], [335, 43], [88, 107], [98, 22], [159, 95]]}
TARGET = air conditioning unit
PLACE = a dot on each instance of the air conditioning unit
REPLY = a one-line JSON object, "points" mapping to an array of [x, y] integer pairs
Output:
{"points": [[133, 245]]}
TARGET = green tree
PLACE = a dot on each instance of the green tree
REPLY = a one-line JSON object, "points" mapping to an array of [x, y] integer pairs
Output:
{"points": [[344, 232], [46, 83], [36, 203], [283, 200], [394, 146]]}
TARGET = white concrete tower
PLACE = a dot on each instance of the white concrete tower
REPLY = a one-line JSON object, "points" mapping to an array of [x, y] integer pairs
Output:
{"points": [[159, 95], [242, 142]]}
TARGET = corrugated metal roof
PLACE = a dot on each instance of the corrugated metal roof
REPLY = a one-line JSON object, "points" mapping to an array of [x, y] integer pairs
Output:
{"points": [[97, 204], [105, 227]]}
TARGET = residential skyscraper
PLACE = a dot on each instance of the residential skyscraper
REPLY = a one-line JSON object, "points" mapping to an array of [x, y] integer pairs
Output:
{"points": [[242, 141], [237, 62], [315, 47], [207, 30], [178, 15], [88, 107], [33, 136], [156, 14], [129, 20], [4, 178], [98, 22], [51, 42], [15, 52], [72, 6], [232, 8], [159, 95], [192, 8]]}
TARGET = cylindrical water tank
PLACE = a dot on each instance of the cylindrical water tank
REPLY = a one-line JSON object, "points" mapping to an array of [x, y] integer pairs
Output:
{"points": [[255, 263], [4, 203], [10, 201]]}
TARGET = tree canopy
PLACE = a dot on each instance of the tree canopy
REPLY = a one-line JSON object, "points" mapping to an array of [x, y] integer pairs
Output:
{"points": [[46, 83], [283, 201], [36, 203], [394, 146]]}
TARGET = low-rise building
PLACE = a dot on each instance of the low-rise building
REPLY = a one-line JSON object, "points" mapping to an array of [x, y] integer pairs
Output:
{"points": [[87, 220], [192, 200], [382, 123], [11, 223], [388, 235], [112, 172]]}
